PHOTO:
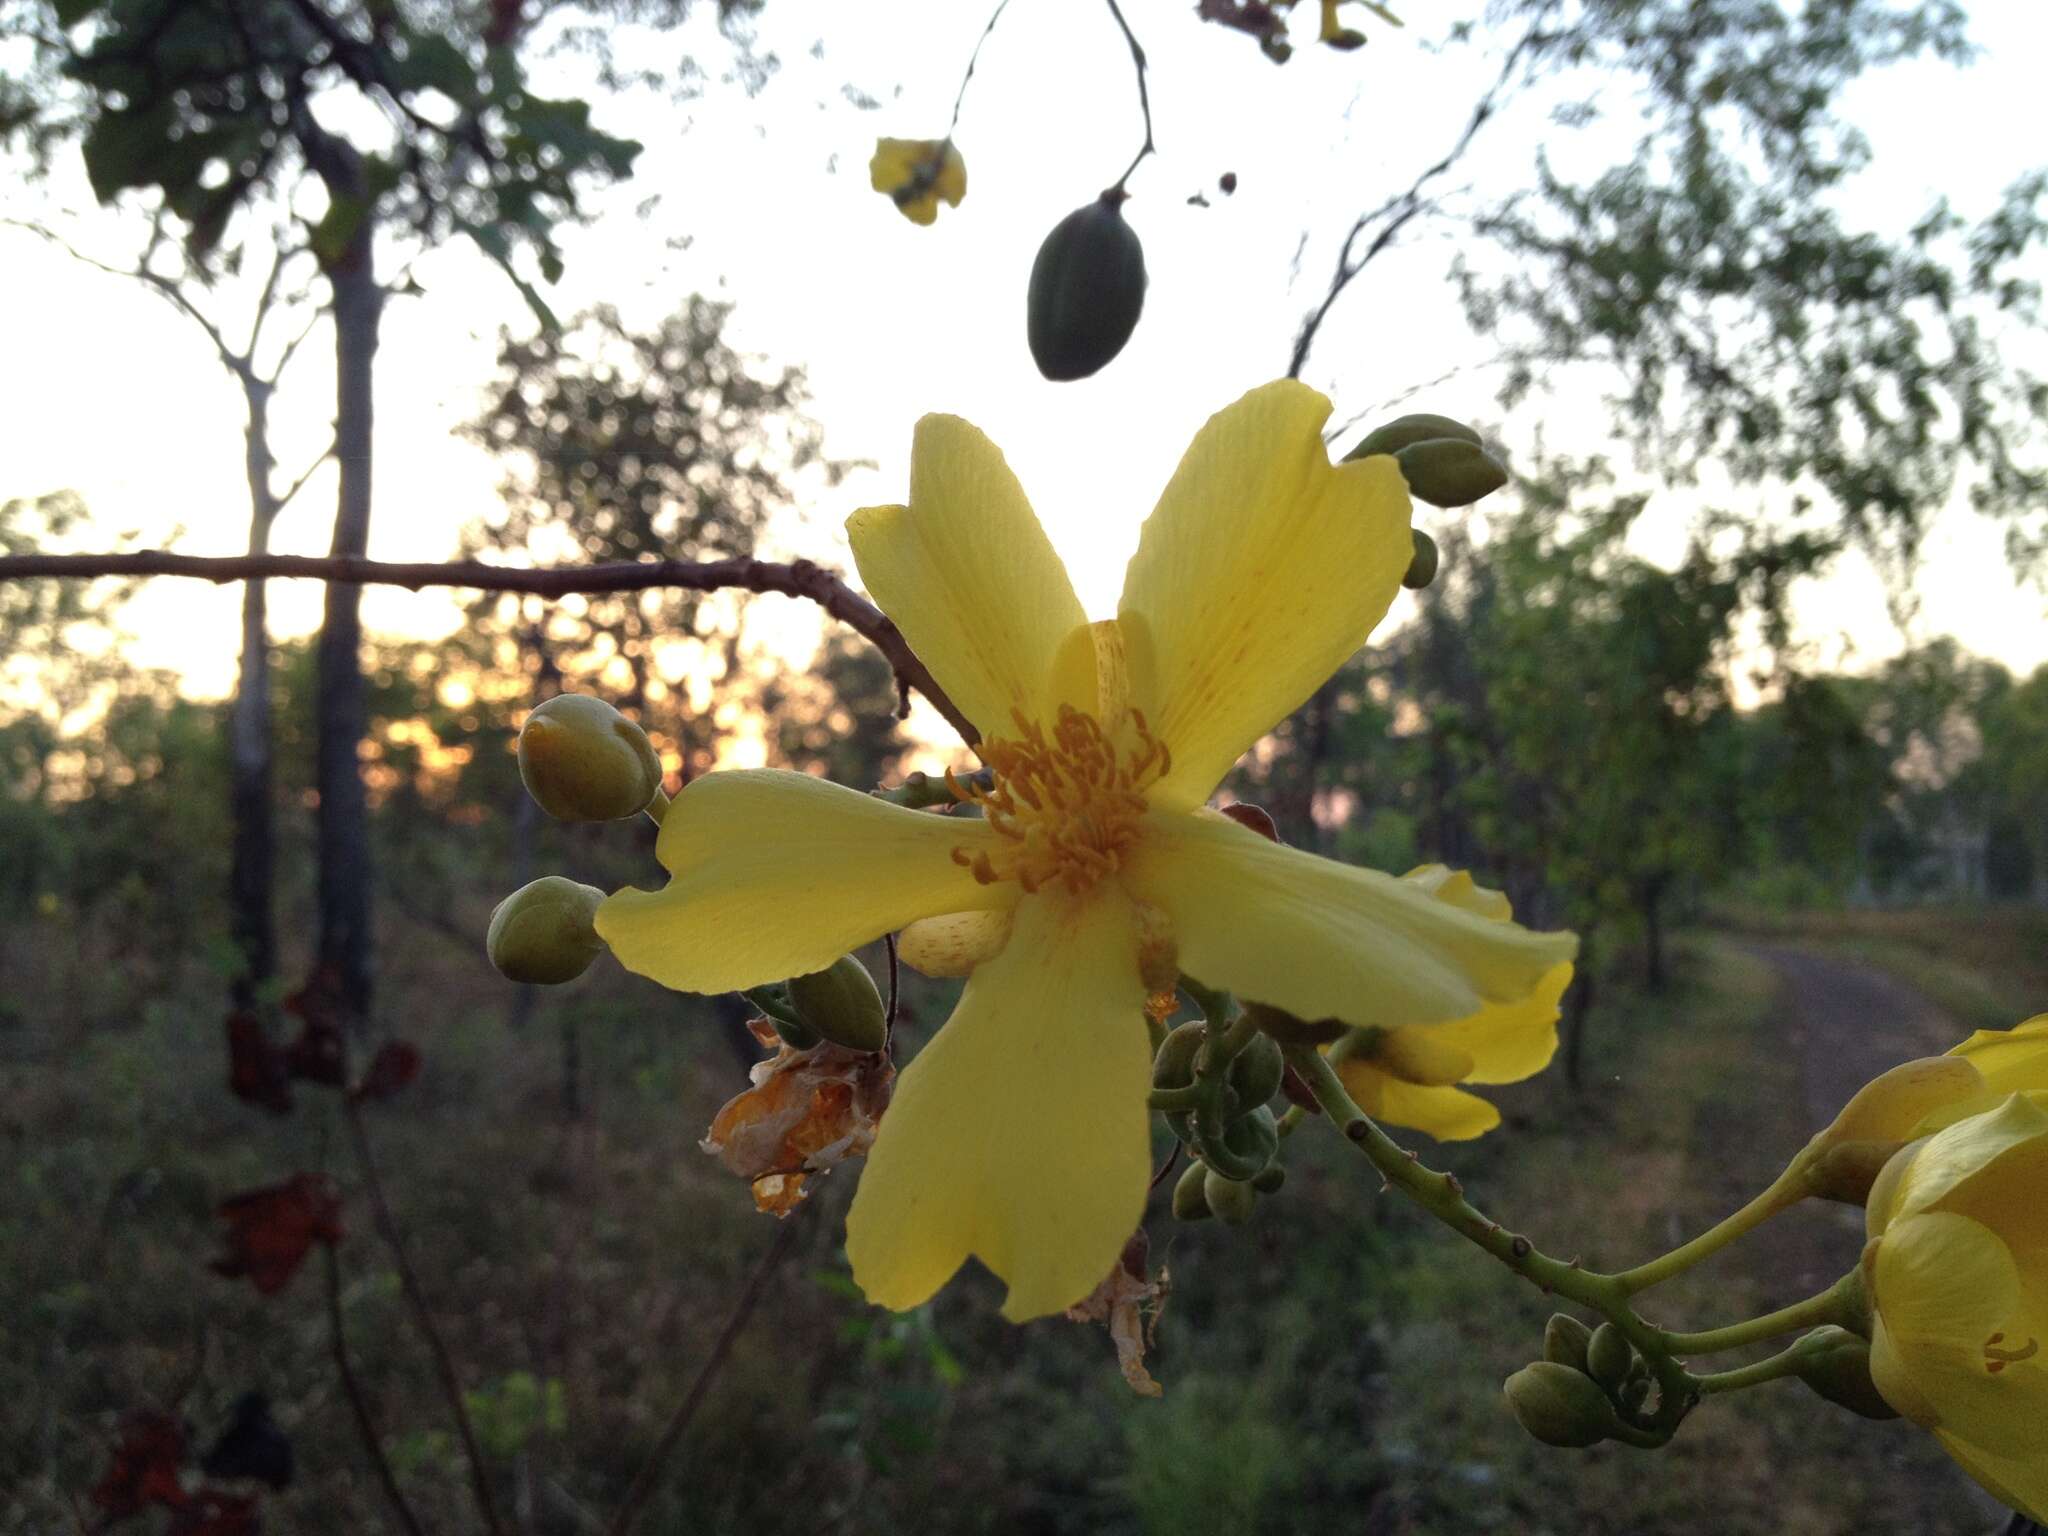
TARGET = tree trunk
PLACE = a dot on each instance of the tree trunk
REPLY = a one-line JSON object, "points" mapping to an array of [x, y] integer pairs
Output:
{"points": [[252, 868], [344, 830]]}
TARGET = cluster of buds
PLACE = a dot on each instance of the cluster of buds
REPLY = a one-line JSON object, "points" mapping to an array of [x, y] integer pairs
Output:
{"points": [[1587, 1387], [1445, 464], [1234, 1145]]}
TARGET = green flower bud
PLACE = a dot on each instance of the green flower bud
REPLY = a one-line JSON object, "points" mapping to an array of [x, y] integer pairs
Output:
{"points": [[1256, 1070], [1558, 1405], [1231, 1201], [1269, 1181], [1174, 1066], [1635, 1392], [1836, 1364], [842, 1004], [1609, 1356], [545, 933], [1190, 1203], [1565, 1339], [1406, 431], [1447, 472], [584, 761], [1253, 1140], [1422, 565]]}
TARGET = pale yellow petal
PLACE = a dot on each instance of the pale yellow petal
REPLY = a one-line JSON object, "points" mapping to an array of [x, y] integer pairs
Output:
{"points": [[1511, 1041], [1457, 887], [777, 874], [1019, 1135], [2019, 1482], [2014, 1136], [1959, 1338], [970, 578], [1261, 569], [954, 943], [2011, 1060], [1448, 1114], [1327, 940]]}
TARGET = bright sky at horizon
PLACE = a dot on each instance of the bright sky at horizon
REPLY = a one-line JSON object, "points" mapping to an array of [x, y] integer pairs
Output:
{"points": [[764, 201]]}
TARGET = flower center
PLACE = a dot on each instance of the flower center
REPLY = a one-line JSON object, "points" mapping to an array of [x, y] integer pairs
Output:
{"points": [[1066, 808]]}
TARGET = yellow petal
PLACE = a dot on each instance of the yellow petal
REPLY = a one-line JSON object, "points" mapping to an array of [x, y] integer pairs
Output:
{"points": [[2019, 1482], [1510, 1041], [1457, 887], [1262, 568], [778, 874], [1448, 1114], [1418, 1055], [1326, 940], [1900, 1104], [1019, 1135], [954, 943], [970, 578], [1959, 1338], [2010, 1059], [1991, 1163]]}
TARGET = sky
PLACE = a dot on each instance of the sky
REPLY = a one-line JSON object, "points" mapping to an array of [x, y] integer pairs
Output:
{"points": [[763, 200]]}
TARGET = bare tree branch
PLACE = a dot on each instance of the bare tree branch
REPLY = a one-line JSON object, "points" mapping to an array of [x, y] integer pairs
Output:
{"points": [[1400, 210], [359, 1407], [285, 500], [799, 578]]}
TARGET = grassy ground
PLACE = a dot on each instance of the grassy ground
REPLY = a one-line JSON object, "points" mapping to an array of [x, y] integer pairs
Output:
{"points": [[1334, 1362]]}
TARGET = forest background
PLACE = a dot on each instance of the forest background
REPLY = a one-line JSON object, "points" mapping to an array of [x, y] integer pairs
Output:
{"points": [[1686, 686]]}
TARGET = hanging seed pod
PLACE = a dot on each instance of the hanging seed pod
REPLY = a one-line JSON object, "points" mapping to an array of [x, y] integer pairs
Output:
{"points": [[1087, 290]]}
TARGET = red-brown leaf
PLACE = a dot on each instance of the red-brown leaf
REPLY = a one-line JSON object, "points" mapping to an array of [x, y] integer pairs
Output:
{"points": [[270, 1230], [256, 1069]]}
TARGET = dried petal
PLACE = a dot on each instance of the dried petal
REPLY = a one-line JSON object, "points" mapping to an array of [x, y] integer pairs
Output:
{"points": [[808, 1112], [1131, 1305]]}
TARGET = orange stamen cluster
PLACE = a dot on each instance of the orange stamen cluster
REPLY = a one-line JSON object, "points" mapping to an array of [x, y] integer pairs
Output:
{"points": [[1067, 808]]}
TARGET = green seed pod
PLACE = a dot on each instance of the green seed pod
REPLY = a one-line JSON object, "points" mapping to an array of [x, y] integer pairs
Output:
{"points": [[1422, 565], [1269, 1182], [1231, 1201], [1087, 290], [1565, 1339], [1609, 1356], [545, 933], [1190, 1203], [1836, 1364], [1174, 1066], [1558, 1405], [584, 761], [1448, 472], [842, 1004], [1406, 431], [1256, 1070], [1288, 1030]]}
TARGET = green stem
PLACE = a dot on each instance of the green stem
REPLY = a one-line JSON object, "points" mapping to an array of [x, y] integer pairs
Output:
{"points": [[1837, 1304], [1776, 1368], [1443, 1197], [1169, 1100], [1787, 1191]]}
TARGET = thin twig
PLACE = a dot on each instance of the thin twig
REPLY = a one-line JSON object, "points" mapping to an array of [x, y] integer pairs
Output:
{"points": [[1403, 207], [757, 1285], [423, 1315], [799, 578], [299, 484], [1144, 96], [895, 979], [352, 1389], [973, 59]]}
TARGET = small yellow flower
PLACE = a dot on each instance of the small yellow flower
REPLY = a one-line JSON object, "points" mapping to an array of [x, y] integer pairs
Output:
{"points": [[1408, 1074], [916, 173], [1020, 1135], [1957, 1271]]}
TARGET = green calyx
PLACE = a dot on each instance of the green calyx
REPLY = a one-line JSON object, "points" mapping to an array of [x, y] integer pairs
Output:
{"points": [[545, 933], [1449, 472], [582, 760], [842, 1004], [1836, 1364]]}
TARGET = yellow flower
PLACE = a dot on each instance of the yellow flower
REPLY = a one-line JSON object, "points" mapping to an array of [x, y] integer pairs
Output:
{"points": [[1020, 1134], [1407, 1074], [916, 173], [1957, 1270], [1918, 1098]]}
